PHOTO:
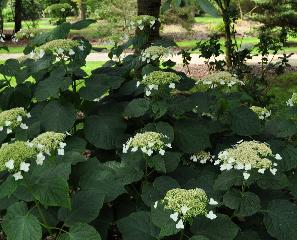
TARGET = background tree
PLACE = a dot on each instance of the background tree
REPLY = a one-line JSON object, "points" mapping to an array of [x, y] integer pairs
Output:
{"points": [[17, 15]]}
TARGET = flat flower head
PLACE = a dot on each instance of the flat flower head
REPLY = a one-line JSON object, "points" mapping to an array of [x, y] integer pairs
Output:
{"points": [[292, 101], [11, 117], [147, 142], [160, 79], [247, 155], [262, 112], [202, 156], [19, 152], [221, 78], [49, 141], [155, 53], [187, 203]]}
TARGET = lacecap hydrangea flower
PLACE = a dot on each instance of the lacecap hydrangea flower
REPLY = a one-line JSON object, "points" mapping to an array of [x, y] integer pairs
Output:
{"points": [[187, 204], [248, 155], [261, 112], [202, 156], [142, 21], [153, 53], [159, 81], [62, 48], [50, 142], [148, 143], [292, 101], [221, 78], [15, 157], [13, 118]]}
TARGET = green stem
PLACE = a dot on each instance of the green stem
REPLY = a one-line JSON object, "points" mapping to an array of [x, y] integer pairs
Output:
{"points": [[43, 218], [181, 235]]}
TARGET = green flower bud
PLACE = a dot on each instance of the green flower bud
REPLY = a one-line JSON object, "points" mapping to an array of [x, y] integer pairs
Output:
{"points": [[187, 203], [221, 78], [262, 113], [17, 152], [49, 141], [12, 118]]}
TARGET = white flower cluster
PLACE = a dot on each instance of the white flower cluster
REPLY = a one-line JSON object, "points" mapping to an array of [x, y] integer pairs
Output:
{"points": [[13, 38], [154, 53], [159, 81], [148, 143], [187, 204], [2, 37], [248, 155], [142, 21], [221, 78], [292, 101], [262, 112], [15, 157], [13, 118], [203, 157], [63, 49]]}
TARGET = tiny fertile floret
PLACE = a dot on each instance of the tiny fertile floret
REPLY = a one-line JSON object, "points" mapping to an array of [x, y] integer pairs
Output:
{"points": [[148, 143], [194, 200], [13, 118], [202, 156], [292, 101], [261, 112], [159, 81], [221, 78], [49, 141], [247, 155]]}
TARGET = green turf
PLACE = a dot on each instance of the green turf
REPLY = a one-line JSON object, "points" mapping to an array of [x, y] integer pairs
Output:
{"points": [[208, 19], [42, 24]]}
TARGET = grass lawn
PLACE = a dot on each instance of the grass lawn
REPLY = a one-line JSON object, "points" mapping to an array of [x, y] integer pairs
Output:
{"points": [[42, 24], [208, 19]]}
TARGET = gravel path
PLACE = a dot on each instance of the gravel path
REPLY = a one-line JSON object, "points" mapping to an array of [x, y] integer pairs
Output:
{"points": [[195, 58]]}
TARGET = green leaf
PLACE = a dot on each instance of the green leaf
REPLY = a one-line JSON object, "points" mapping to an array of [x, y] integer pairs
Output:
{"points": [[51, 191], [221, 228], [81, 231], [51, 86], [99, 84], [280, 221], [167, 163], [161, 218], [137, 108], [156, 191], [289, 161], [161, 127], [247, 235], [8, 187], [138, 225], [276, 182], [245, 204], [281, 128], [227, 179], [191, 136], [208, 7], [80, 210], [19, 224], [293, 185], [58, 117], [82, 24], [245, 122], [105, 132], [198, 238]]}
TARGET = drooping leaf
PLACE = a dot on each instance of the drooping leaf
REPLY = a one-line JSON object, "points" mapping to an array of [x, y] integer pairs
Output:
{"points": [[20, 224], [81, 231]]}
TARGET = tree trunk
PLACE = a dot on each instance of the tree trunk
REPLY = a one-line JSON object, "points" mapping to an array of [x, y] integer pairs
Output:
{"points": [[152, 8], [228, 43], [1, 21], [18, 16], [82, 9]]}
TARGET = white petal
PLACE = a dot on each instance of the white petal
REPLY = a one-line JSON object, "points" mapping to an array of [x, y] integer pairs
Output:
{"points": [[1, 128], [8, 131], [10, 164], [262, 170], [24, 166], [174, 216], [211, 215], [213, 202], [156, 204], [62, 145], [246, 175], [18, 176], [180, 224], [162, 152], [19, 118], [7, 123], [61, 152], [24, 126], [278, 157], [184, 209]]}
